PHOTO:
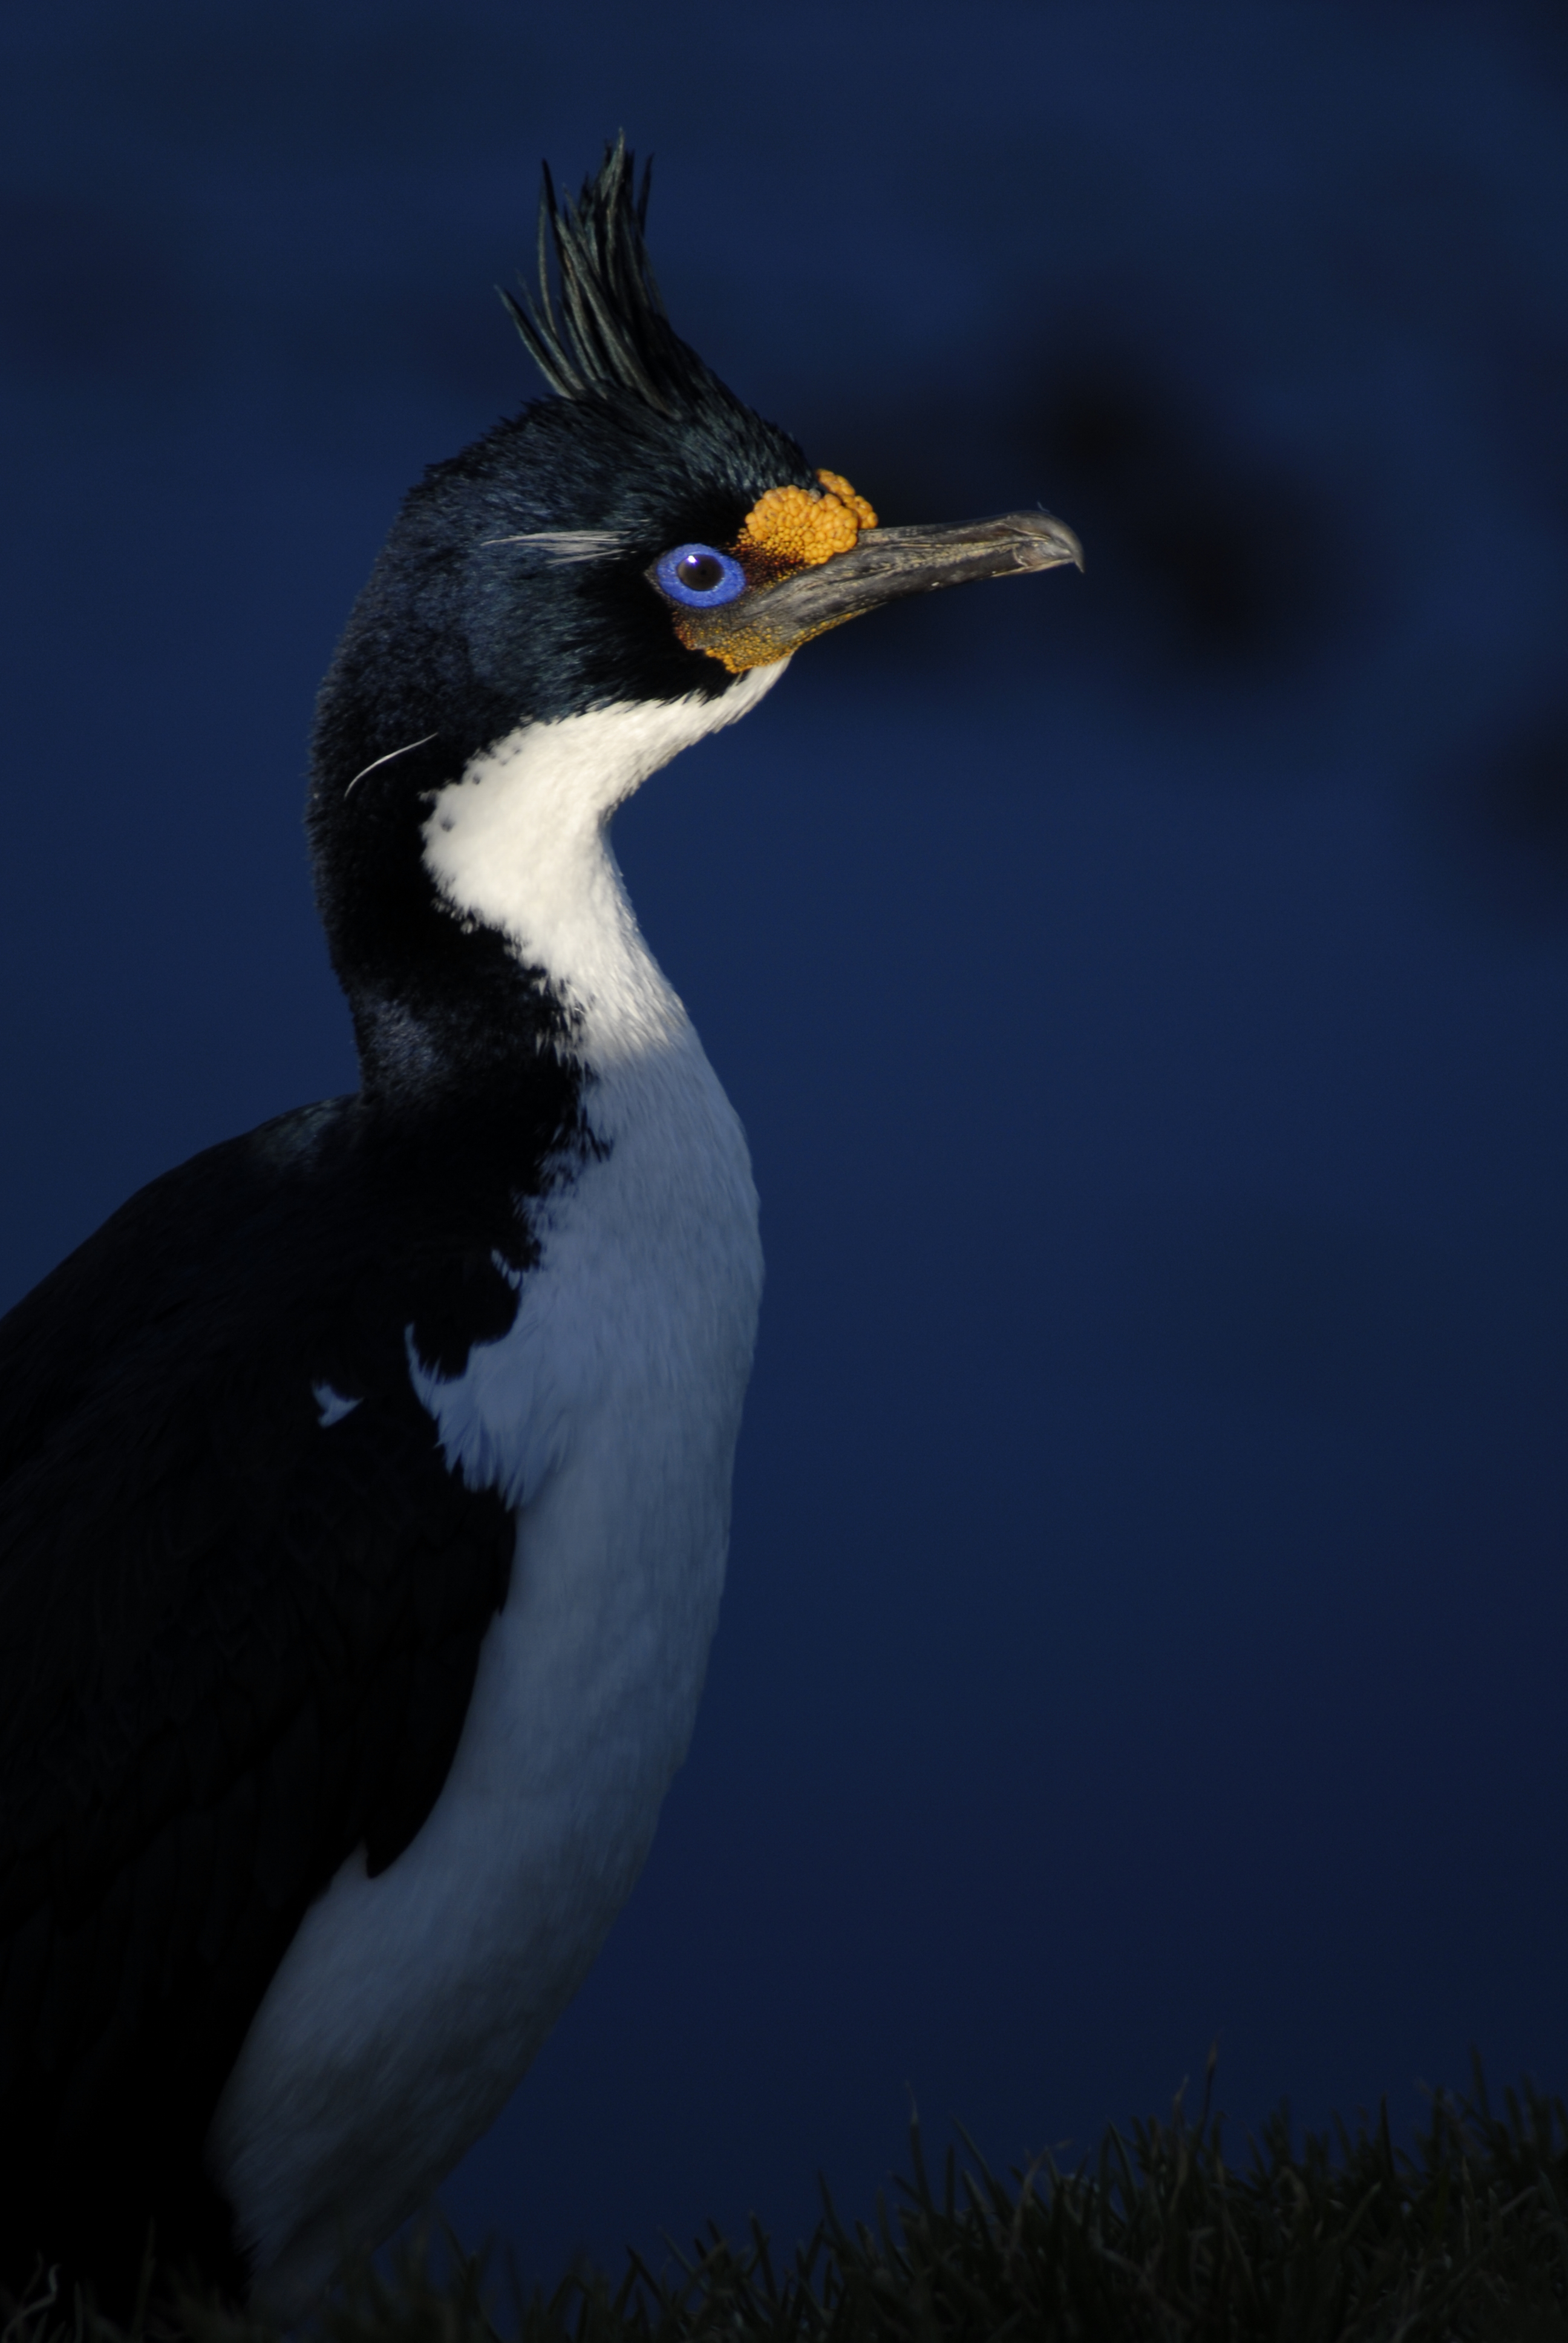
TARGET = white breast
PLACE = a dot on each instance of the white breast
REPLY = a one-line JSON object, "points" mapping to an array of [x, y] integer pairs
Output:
{"points": [[409, 2007]]}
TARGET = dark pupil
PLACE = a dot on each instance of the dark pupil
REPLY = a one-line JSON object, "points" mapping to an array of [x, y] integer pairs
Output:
{"points": [[701, 571]]}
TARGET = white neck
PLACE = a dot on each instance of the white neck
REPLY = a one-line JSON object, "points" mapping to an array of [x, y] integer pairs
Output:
{"points": [[521, 844]]}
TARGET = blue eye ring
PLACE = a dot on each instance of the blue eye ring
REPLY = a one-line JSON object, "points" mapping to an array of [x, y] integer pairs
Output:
{"points": [[701, 560]]}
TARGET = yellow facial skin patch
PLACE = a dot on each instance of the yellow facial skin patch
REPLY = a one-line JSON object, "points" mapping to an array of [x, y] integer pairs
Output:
{"points": [[786, 531]]}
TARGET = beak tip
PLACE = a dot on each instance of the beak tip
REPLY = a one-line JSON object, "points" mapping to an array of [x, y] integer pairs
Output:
{"points": [[1057, 545]]}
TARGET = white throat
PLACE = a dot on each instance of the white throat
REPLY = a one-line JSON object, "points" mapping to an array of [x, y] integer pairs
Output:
{"points": [[521, 843]]}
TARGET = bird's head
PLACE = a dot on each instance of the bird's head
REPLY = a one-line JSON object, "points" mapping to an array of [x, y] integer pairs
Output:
{"points": [[624, 566]]}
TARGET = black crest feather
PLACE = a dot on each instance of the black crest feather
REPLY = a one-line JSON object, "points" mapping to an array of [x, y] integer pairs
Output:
{"points": [[607, 335]]}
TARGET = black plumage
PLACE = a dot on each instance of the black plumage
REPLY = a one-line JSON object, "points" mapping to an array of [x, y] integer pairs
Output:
{"points": [[233, 1646]]}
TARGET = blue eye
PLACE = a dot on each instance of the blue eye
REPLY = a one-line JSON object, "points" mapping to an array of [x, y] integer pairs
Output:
{"points": [[699, 576]]}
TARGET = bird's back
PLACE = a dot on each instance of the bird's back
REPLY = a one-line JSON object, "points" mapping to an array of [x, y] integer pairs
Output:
{"points": [[220, 1669]]}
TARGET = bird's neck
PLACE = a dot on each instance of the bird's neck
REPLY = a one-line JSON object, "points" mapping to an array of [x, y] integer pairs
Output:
{"points": [[539, 956], [519, 847]]}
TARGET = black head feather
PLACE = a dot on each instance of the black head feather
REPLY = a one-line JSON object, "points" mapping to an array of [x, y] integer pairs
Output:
{"points": [[611, 337]]}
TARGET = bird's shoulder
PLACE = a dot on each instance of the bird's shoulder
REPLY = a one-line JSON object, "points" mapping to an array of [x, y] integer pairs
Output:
{"points": [[304, 1239]]}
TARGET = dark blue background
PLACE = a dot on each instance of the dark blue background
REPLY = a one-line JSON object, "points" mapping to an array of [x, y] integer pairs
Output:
{"points": [[1146, 992]]}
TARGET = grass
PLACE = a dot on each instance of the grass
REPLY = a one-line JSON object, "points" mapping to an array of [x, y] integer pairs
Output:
{"points": [[1350, 2240]]}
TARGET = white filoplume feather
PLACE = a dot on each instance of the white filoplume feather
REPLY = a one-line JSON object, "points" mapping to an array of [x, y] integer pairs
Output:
{"points": [[332, 1405], [409, 2006]]}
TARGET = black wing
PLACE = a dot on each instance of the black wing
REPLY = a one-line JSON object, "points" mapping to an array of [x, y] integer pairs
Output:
{"points": [[235, 1643]]}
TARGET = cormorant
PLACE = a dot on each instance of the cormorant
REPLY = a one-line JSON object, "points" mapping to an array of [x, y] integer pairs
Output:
{"points": [[364, 1481]]}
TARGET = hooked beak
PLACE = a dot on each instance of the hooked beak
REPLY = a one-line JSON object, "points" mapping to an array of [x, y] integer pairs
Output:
{"points": [[771, 621]]}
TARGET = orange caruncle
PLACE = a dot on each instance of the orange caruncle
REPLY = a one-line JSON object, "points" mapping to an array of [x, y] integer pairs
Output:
{"points": [[798, 528], [838, 485]]}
